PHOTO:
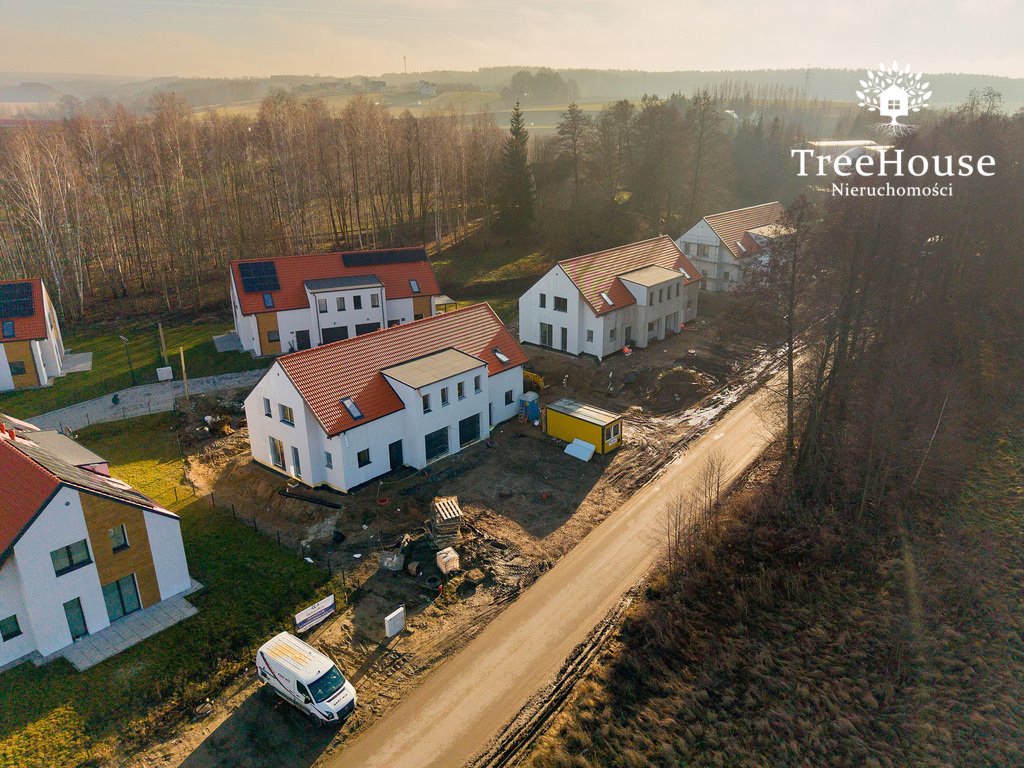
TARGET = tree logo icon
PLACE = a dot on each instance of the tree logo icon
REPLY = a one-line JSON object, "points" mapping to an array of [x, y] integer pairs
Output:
{"points": [[893, 93]]}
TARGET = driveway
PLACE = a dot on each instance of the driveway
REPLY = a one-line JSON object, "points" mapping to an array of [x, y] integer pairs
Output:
{"points": [[468, 700], [140, 401]]}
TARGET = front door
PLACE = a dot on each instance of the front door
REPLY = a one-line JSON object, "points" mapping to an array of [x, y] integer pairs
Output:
{"points": [[565, 339], [302, 339], [395, 454], [76, 619]]}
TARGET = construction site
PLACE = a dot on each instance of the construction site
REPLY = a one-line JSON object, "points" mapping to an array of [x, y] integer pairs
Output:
{"points": [[505, 528]]}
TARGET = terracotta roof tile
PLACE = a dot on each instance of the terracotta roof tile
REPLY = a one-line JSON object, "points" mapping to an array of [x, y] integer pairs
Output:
{"points": [[294, 271], [26, 487], [598, 272], [351, 368], [34, 327], [730, 225]]}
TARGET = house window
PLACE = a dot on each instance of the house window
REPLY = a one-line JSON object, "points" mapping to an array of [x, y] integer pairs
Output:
{"points": [[328, 460], [357, 302], [689, 302], [341, 303], [118, 538], [374, 300], [460, 390], [611, 334], [444, 396], [590, 337], [661, 295], [9, 628], [627, 335], [17, 368], [561, 304], [321, 305], [678, 286], [543, 300], [894, 104], [426, 403], [276, 453], [273, 336], [702, 251], [67, 559], [508, 397], [547, 335], [414, 284], [612, 432], [122, 597], [266, 407], [296, 464], [476, 383], [725, 275], [8, 329], [363, 457], [268, 301], [650, 297], [287, 416]]}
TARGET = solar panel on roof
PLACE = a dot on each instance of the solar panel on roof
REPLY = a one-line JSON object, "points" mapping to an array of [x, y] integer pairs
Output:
{"points": [[16, 300], [259, 276], [374, 258]]}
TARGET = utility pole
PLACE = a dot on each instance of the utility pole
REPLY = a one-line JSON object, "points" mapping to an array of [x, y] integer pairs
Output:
{"points": [[184, 376], [163, 342]]}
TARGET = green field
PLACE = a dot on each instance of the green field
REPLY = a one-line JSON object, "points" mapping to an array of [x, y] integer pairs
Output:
{"points": [[55, 716], [110, 362]]}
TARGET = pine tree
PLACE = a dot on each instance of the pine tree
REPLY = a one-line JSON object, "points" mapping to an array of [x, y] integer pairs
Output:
{"points": [[515, 199]]}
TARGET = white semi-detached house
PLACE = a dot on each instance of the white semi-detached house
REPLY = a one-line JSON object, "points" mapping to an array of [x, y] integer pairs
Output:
{"points": [[717, 246], [345, 413], [293, 303], [79, 550], [31, 346], [598, 303]]}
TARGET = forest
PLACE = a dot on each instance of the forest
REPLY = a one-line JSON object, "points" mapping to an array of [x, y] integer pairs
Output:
{"points": [[127, 214]]}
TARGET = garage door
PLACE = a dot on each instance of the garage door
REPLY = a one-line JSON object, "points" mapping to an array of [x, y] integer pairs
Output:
{"points": [[469, 430], [436, 443]]}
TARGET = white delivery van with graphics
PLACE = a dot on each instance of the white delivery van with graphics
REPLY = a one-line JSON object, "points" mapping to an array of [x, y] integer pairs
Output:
{"points": [[306, 678]]}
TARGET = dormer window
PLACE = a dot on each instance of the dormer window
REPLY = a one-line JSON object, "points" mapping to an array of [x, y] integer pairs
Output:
{"points": [[502, 357], [415, 285]]}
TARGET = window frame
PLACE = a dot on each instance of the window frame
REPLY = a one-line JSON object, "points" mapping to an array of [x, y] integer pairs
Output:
{"points": [[284, 419], [426, 403], [363, 458], [590, 336], [273, 336], [17, 367], [509, 398], [328, 460], [115, 548], [321, 306], [444, 397], [374, 301], [560, 304], [357, 301], [117, 584], [6, 634], [543, 301], [477, 386], [276, 442], [9, 324], [72, 565], [340, 303], [268, 408], [460, 390], [268, 301]]}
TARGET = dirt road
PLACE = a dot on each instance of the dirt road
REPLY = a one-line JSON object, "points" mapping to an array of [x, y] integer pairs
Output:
{"points": [[468, 699]]}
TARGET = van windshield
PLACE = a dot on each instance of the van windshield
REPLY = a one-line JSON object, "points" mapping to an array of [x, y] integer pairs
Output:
{"points": [[327, 685]]}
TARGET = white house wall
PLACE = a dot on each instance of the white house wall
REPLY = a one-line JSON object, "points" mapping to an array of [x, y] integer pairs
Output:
{"points": [[60, 524], [555, 283], [710, 267], [51, 349], [12, 604], [245, 325], [168, 554], [6, 380], [409, 425]]}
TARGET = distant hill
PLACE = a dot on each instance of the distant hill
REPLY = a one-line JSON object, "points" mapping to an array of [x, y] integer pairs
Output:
{"points": [[595, 86]]}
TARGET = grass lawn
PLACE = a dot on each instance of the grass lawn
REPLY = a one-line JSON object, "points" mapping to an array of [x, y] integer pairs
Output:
{"points": [[110, 369], [53, 715]]}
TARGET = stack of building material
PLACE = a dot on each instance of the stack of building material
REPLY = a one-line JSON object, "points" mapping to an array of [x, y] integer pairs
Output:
{"points": [[445, 520], [448, 560]]}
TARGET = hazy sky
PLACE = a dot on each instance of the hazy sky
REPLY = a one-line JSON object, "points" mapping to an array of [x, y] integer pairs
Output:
{"points": [[262, 37]]}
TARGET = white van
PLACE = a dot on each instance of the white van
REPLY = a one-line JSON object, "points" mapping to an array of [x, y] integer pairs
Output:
{"points": [[303, 676]]}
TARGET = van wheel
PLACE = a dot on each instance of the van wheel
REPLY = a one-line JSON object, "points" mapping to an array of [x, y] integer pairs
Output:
{"points": [[314, 719]]}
